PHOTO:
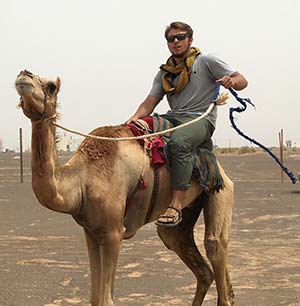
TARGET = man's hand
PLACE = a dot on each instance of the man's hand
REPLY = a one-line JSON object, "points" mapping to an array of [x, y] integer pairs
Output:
{"points": [[237, 81], [226, 81], [132, 119]]}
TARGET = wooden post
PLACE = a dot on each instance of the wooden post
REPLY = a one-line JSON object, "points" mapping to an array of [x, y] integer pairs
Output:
{"points": [[281, 151], [21, 155]]}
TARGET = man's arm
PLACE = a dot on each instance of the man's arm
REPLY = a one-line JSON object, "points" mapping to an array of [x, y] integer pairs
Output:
{"points": [[145, 108], [236, 81]]}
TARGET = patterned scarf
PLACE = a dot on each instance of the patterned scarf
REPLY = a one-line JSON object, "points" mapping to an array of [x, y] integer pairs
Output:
{"points": [[171, 70]]}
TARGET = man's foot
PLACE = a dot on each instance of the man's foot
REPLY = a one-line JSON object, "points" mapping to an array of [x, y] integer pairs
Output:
{"points": [[171, 217]]}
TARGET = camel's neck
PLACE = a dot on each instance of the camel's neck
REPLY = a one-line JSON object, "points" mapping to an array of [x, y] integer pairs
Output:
{"points": [[47, 182], [44, 156]]}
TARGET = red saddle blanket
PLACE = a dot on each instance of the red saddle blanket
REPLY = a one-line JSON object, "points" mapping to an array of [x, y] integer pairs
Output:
{"points": [[154, 145]]}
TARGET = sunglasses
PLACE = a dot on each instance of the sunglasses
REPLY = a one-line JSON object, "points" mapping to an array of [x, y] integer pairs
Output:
{"points": [[179, 37]]}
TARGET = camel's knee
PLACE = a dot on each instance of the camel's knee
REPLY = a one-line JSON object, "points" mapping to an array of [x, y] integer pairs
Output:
{"points": [[215, 248], [211, 246]]}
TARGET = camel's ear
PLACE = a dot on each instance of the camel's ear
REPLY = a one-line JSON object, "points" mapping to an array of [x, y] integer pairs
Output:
{"points": [[58, 83]]}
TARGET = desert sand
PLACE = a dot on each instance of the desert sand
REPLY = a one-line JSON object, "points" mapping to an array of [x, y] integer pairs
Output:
{"points": [[43, 257]]}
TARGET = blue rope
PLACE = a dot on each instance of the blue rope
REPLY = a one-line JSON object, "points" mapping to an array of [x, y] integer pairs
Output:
{"points": [[242, 108]]}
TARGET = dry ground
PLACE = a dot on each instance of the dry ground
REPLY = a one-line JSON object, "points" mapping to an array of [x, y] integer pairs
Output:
{"points": [[43, 259]]}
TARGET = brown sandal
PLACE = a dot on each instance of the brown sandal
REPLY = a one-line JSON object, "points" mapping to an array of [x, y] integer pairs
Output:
{"points": [[176, 219]]}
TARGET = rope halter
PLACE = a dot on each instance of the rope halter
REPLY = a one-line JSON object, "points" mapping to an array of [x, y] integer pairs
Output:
{"points": [[44, 116]]}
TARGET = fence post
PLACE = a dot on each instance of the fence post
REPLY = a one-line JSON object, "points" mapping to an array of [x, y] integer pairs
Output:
{"points": [[21, 155], [281, 151]]}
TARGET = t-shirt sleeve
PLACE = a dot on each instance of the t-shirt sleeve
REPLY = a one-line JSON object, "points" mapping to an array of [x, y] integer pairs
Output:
{"points": [[157, 88], [217, 67]]}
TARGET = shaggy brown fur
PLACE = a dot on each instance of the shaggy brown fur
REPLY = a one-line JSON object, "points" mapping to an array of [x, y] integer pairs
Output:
{"points": [[103, 149]]}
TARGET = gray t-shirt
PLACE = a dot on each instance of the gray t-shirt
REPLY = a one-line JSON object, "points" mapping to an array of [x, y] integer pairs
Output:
{"points": [[200, 90]]}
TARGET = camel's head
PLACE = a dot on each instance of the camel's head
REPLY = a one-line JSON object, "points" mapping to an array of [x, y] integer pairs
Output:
{"points": [[38, 95]]}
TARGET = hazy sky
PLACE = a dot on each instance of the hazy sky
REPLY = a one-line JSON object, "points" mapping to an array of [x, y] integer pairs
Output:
{"points": [[107, 53]]}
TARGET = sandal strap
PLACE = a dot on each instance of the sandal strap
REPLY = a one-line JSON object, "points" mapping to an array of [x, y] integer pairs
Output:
{"points": [[176, 209], [176, 219], [170, 216]]}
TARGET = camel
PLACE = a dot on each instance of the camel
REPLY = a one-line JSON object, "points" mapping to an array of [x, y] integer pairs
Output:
{"points": [[97, 182]]}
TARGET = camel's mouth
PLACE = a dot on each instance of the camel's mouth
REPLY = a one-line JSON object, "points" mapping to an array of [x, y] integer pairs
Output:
{"points": [[23, 87]]}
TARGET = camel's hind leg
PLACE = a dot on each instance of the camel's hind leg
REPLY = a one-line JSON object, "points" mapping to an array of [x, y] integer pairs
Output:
{"points": [[217, 215], [180, 239]]}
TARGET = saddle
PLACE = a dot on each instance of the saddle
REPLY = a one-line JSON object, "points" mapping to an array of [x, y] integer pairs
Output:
{"points": [[205, 167]]}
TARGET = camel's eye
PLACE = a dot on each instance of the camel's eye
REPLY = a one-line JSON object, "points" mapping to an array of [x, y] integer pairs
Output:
{"points": [[51, 87]]}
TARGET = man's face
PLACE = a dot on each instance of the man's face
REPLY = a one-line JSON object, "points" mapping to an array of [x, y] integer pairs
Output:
{"points": [[179, 48]]}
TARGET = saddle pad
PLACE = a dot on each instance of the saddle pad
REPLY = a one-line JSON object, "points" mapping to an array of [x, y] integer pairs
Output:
{"points": [[205, 167], [206, 171]]}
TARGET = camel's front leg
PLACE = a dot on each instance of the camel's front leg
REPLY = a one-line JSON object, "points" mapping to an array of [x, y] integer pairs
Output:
{"points": [[109, 252], [94, 258], [103, 254]]}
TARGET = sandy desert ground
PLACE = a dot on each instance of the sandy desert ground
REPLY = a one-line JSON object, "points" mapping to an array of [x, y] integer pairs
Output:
{"points": [[43, 258]]}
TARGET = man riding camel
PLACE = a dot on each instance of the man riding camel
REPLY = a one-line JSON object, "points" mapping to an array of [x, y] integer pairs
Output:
{"points": [[188, 79]]}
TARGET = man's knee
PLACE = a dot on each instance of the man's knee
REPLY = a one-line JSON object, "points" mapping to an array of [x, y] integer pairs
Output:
{"points": [[207, 144]]}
